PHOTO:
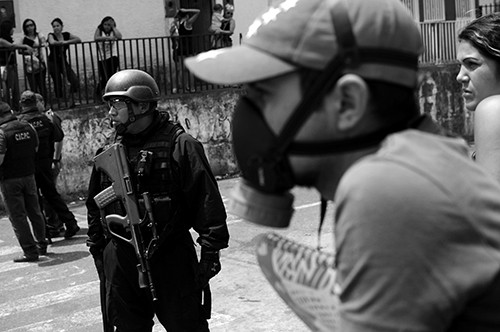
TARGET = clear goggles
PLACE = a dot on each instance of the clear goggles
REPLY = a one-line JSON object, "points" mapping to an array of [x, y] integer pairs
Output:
{"points": [[118, 103]]}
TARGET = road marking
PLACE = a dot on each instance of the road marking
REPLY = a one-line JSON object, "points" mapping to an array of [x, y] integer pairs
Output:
{"points": [[50, 298], [300, 207], [9, 250], [81, 216], [41, 277], [84, 318]]}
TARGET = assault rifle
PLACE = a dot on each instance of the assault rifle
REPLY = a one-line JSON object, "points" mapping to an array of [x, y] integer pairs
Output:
{"points": [[113, 162]]}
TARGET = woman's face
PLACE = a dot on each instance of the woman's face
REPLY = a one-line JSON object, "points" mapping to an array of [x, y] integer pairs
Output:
{"points": [[478, 75], [108, 25], [30, 27], [57, 27]]}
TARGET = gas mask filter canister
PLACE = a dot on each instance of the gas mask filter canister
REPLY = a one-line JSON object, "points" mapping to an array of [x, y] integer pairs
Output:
{"points": [[262, 196]]}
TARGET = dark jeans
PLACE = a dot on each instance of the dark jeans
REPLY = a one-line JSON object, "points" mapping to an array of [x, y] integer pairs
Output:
{"points": [[21, 201], [50, 214], [174, 270], [10, 88], [37, 82], [106, 69], [46, 184], [59, 73]]}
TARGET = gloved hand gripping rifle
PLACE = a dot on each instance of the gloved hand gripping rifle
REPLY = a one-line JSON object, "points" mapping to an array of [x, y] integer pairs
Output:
{"points": [[113, 161]]}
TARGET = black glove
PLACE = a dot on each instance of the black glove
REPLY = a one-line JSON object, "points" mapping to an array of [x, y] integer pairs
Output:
{"points": [[96, 247], [209, 265]]}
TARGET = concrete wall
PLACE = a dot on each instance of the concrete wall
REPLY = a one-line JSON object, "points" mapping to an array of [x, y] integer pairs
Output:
{"points": [[440, 96], [135, 19], [204, 116]]}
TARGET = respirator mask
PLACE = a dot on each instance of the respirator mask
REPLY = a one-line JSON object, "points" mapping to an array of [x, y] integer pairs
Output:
{"points": [[263, 195]]}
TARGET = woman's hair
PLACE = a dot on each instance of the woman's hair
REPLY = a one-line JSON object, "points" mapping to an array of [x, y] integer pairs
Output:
{"points": [[26, 21], [5, 30], [58, 20], [484, 34], [101, 25]]}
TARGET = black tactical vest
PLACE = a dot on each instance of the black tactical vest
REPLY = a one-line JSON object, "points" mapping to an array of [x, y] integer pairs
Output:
{"points": [[21, 141], [152, 171], [45, 131]]}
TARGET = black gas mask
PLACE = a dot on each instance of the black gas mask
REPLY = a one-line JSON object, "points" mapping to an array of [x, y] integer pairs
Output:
{"points": [[263, 195]]}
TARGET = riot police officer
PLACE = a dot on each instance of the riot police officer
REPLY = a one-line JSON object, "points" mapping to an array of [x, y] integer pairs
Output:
{"points": [[45, 158], [18, 144], [171, 166]]}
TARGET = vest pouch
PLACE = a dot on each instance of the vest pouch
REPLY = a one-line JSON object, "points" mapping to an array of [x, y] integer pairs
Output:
{"points": [[162, 210]]}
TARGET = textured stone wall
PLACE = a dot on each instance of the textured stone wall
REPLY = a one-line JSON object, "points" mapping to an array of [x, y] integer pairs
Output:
{"points": [[440, 96], [207, 116]]}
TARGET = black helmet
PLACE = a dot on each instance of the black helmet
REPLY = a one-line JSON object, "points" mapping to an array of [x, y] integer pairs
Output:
{"points": [[135, 84]]}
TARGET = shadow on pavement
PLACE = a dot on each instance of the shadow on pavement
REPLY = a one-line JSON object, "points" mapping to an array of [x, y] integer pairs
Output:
{"points": [[79, 238], [53, 259]]}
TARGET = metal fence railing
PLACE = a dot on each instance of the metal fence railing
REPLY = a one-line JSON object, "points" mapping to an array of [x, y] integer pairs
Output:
{"points": [[440, 41], [76, 74], [488, 9]]}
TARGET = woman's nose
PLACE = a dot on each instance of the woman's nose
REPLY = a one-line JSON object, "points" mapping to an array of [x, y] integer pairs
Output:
{"points": [[461, 76]]}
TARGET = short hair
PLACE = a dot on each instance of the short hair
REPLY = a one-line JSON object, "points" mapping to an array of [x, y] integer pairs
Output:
{"points": [[400, 106], [484, 35], [218, 7], [58, 20]]}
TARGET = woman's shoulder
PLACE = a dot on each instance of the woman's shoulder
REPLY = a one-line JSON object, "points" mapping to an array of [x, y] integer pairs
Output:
{"points": [[489, 105]]}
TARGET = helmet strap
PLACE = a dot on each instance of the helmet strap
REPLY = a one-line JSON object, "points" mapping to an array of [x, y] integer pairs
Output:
{"points": [[132, 117]]}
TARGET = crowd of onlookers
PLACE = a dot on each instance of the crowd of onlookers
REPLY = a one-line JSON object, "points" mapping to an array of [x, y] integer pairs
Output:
{"points": [[48, 54]]}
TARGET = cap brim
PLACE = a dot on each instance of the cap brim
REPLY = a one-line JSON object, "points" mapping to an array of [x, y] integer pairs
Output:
{"points": [[238, 64]]}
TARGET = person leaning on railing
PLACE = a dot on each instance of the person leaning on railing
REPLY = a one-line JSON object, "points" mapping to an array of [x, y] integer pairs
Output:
{"points": [[106, 36], [35, 67], [59, 67], [8, 71]]}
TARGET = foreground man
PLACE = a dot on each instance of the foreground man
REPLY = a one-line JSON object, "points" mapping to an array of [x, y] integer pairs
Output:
{"points": [[169, 166], [331, 104]]}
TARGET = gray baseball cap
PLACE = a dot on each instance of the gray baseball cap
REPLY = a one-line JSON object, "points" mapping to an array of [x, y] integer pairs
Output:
{"points": [[302, 34]]}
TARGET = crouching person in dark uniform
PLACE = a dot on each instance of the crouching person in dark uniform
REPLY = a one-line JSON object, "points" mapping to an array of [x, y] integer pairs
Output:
{"points": [[171, 166]]}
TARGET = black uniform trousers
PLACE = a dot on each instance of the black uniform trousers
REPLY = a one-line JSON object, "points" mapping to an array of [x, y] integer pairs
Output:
{"points": [[45, 182], [174, 269]]}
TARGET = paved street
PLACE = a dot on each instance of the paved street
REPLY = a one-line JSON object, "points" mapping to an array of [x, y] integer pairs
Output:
{"points": [[61, 291]]}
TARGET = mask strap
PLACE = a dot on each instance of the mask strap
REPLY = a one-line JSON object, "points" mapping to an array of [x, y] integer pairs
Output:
{"points": [[323, 206]]}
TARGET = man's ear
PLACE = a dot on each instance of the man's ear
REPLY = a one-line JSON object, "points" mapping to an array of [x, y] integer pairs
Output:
{"points": [[352, 95], [144, 107]]}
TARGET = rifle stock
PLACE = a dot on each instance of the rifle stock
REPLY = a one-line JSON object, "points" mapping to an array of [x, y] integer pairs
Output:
{"points": [[113, 162]]}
